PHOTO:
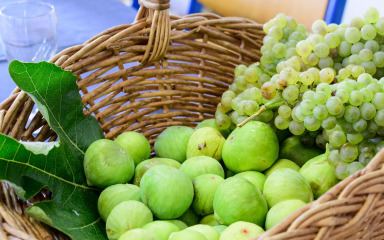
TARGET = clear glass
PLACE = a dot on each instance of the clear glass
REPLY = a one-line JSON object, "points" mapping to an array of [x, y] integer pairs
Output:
{"points": [[28, 31]]}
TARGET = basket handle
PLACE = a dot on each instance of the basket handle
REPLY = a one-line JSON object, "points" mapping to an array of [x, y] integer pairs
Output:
{"points": [[156, 11]]}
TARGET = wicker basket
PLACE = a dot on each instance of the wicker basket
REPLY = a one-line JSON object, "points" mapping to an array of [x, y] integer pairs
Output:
{"points": [[163, 71]]}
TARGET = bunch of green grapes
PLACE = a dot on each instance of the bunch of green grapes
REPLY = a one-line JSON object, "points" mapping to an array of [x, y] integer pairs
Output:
{"points": [[329, 83]]}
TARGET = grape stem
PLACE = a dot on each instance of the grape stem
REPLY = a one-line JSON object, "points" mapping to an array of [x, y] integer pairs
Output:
{"points": [[262, 109]]}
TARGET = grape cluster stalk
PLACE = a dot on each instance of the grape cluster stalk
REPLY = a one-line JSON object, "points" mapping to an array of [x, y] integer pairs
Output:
{"points": [[327, 84]]}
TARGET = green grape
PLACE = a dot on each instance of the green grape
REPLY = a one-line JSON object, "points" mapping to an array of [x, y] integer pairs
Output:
{"points": [[345, 62], [268, 91], [320, 112], [354, 167], [267, 26], [380, 26], [285, 111], [337, 138], [251, 85], [301, 28], [300, 116], [372, 45], [291, 44], [360, 125], [263, 78], [320, 141], [356, 98], [334, 105], [223, 109], [369, 67], [356, 22], [337, 66], [294, 62], [321, 50], [378, 100], [372, 127], [235, 102], [333, 158], [266, 116], [344, 73], [311, 123], [289, 74], [345, 49], [348, 152], [251, 74], [379, 118], [240, 119], [357, 47], [332, 39], [332, 27], [280, 20], [352, 35], [314, 39], [375, 87], [326, 62], [341, 170], [357, 71], [290, 93], [291, 22], [240, 107], [303, 48], [252, 93], [280, 66], [228, 94], [279, 50], [367, 111], [281, 83], [365, 55], [312, 59], [234, 116], [281, 123], [326, 75], [368, 32], [276, 32], [296, 128], [269, 42], [315, 73], [329, 123], [287, 31], [241, 83], [365, 157], [364, 80], [343, 95], [325, 87], [240, 69], [367, 147], [320, 97], [319, 27], [308, 95], [372, 15], [354, 138], [351, 114], [290, 52], [293, 115], [307, 106], [341, 33], [378, 59], [222, 121], [297, 36]]}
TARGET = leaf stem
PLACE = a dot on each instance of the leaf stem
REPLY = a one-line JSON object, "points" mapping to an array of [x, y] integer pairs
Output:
{"points": [[262, 109]]}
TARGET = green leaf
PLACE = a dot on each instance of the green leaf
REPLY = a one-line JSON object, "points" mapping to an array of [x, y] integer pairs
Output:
{"points": [[29, 167], [57, 96]]}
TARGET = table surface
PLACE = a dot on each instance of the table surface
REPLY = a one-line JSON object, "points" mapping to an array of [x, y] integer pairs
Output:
{"points": [[78, 21]]}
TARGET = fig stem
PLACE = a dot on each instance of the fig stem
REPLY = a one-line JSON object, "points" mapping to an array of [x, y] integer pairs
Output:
{"points": [[262, 109]]}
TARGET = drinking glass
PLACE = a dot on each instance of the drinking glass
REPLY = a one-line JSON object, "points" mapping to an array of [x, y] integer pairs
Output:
{"points": [[28, 31]]}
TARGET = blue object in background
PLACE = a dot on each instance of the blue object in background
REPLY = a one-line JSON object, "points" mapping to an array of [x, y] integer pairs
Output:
{"points": [[194, 7], [335, 10]]}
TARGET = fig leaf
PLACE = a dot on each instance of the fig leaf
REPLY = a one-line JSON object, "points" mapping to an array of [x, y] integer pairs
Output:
{"points": [[58, 167]]}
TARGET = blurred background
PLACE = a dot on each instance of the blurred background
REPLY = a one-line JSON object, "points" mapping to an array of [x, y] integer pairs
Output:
{"points": [[304, 11]]}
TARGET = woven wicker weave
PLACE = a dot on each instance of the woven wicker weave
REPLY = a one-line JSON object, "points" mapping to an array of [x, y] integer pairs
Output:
{"points": [[153, 74]]}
